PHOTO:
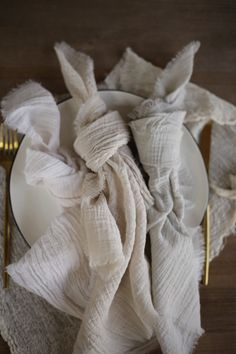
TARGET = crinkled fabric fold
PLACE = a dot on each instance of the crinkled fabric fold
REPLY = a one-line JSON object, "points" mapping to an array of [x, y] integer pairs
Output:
{"points": [[136, 75], [90, 263], [157, 129], [56, 331], [32, 110]]}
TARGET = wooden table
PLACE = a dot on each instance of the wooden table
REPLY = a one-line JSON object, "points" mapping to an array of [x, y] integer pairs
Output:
{"points": [[156, 30]]}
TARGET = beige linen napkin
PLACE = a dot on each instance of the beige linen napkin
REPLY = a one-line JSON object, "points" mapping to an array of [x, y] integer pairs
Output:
{"points": [[90, 263], [176, 267], [134, 74]]}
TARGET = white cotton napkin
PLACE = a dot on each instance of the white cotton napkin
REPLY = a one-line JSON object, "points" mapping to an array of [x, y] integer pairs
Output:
{"points": [[91, 263], [176, 268], [136, 75]]}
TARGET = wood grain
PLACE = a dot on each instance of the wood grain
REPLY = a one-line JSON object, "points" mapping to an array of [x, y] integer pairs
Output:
{"points": [[156, 29]]}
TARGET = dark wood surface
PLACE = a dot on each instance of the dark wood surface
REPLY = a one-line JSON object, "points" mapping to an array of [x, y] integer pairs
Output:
{"points": [[156, 30]]}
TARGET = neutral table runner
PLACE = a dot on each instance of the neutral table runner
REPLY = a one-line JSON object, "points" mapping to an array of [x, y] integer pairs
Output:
{"points": [[32, 326]]}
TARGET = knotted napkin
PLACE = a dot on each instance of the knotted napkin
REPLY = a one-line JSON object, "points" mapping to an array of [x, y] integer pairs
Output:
{"points": [[52, 331], [176, 266], [134, 74], [90, 263]]}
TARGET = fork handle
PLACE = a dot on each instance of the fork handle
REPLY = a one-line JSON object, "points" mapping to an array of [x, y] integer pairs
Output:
{"points": [[207, 246], [7, 234]]}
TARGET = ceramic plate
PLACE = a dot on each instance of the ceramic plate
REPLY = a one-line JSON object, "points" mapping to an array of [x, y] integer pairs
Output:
{"points": [[34, 208]]}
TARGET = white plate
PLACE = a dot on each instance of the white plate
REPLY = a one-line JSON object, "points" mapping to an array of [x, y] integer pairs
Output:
{"points": [[34, 208]]}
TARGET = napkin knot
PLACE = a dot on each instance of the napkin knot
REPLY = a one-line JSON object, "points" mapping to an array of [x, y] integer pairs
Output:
{"points": [[99, 133], [97, 141]]}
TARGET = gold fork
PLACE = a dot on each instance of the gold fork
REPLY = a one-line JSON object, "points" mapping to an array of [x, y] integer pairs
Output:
{"points": [[8, 146], [205, 147]]}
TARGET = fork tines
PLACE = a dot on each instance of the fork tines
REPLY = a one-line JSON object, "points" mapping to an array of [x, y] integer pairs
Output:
{"points": [[8, 139]]}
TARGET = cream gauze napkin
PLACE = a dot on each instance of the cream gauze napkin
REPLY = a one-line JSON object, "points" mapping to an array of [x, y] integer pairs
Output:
{"points": [[134, 74], [157, 130], [90, 263]]}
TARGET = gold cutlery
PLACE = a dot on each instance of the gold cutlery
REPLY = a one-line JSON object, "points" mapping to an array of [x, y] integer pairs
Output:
{"points": [[205, 147], [9, 144], [207, 224]]}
